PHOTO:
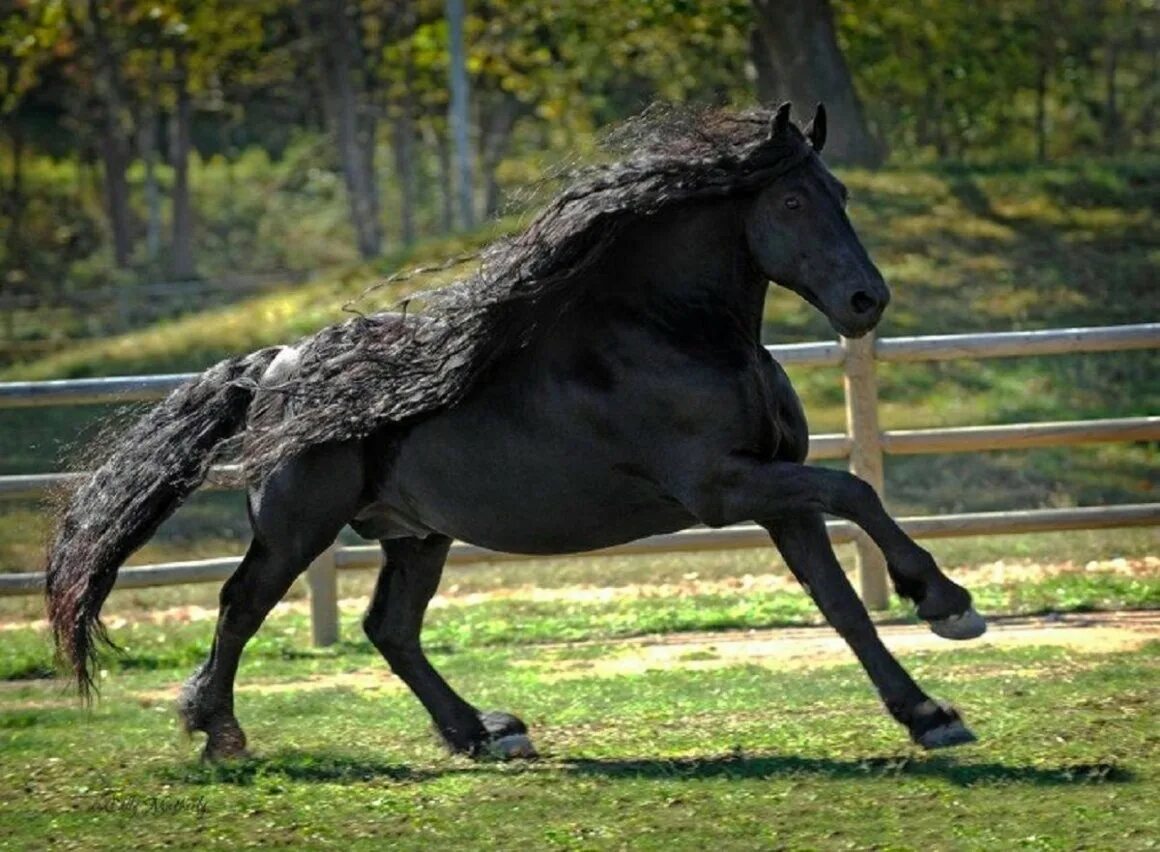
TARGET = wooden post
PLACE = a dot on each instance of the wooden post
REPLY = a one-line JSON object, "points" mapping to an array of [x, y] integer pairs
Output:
{"points": [[322, 578], [865, 457]]}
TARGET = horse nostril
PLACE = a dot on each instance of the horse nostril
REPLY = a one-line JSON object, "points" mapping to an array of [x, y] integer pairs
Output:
{"points": [[862, 302]]}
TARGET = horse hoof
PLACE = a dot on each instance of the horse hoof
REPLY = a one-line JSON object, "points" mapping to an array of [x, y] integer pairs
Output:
{"points": [[966, 625], [951, 734], [225, 742], [512, 747], [223, 755]]}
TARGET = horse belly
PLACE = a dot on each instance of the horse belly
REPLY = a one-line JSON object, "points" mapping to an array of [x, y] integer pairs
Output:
{"points": [[519, 491]]}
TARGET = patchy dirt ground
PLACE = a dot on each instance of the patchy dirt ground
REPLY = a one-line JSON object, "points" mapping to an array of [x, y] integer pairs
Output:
{"points": [[792, 648], [795, 648], [1011, 571], [810, 647]]}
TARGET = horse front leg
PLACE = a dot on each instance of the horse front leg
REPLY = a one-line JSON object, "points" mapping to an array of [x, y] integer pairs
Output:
{"points": [[744, 490], [410, 575], [804, 545]]}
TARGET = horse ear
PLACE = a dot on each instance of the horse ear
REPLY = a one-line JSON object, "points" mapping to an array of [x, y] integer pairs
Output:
{"points": [[816, 131], [780, 122]]}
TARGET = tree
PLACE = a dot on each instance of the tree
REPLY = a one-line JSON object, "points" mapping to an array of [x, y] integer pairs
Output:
{"points": [[27, 41], [105, 43], [336, 29], [798, 59], [458, 116], [183, 266], [402, 108]]}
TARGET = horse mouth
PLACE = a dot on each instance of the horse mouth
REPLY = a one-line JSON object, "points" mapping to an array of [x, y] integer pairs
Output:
{"points": [[843, 328], [847, 332]]}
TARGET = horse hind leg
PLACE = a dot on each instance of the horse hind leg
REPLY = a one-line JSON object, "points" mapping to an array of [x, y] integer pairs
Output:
{"points": [[296, 515], [806, 548], [411, 571], [206, 702]]}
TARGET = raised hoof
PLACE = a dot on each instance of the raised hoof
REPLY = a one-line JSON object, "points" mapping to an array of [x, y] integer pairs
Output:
{"points": [[953, 733], [965, 625]]}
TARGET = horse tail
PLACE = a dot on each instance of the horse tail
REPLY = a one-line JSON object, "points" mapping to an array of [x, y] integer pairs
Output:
{"points": [[149, 472]]}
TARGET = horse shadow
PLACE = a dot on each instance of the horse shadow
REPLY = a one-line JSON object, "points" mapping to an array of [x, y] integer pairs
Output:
{"points": [[324, 767], [782, 766]]}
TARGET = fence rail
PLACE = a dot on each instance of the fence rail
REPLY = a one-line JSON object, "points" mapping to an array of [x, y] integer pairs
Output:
{"points": [[864, 444]]}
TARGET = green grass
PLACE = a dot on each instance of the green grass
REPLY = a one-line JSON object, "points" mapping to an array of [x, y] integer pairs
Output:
{"points": [[737, 757]]}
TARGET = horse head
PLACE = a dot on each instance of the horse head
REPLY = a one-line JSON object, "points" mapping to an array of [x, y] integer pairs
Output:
{"points": [[801, 239]]}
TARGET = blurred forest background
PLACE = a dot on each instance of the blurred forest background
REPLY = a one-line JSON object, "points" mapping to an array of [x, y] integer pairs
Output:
{"points": [[172, 140]]}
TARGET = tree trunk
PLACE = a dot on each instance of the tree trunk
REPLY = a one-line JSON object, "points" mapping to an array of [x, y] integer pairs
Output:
{"points": [[115, 160], [497, 133], [113, 143], [403, 130], [1111, 105], [1045, 63], [183, 260], [436, 140], [404, 139], [15, 206], [1041, 109], [807, 67], [354, 125], [1148, 114], [147, 146], [767, 82], [458, 112]]}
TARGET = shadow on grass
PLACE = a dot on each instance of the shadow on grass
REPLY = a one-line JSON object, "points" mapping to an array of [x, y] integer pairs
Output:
{"points": [[307, 767], [770, 766], [310, 767]]}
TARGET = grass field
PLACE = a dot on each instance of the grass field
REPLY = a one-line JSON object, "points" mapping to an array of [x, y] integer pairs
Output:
{"points": [[703, 752]]}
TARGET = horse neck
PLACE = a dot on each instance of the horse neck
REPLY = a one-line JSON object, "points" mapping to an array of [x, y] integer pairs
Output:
{"points": [[692, 260]]}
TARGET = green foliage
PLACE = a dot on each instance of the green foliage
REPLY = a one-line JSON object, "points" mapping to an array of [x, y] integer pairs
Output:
{"points": [[964, 79], [29, 33], [984, 82]]}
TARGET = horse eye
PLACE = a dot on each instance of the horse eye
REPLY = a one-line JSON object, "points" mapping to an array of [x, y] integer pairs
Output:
{"points": [[792, 202]]}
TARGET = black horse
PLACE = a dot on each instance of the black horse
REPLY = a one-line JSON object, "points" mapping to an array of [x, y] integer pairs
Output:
{"points": [[600, 379]]}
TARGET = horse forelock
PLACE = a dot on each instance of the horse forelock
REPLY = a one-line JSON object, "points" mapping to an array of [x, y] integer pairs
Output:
{"points": [[386, 368]]}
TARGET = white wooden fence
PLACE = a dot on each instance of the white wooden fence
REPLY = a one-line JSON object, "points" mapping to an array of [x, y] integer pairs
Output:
{"points": [[863, 443]]}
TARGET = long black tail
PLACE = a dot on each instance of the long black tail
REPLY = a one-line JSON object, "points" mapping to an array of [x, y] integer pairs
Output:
{"points": [[162, 459]]}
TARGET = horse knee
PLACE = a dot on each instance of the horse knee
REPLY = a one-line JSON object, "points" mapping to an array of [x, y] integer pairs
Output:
{"points": [[396, 645], [855, 493], [374, 629]]}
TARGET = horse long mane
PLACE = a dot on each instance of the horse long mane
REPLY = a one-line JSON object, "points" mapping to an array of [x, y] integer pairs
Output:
{"points": [[385, 368]]}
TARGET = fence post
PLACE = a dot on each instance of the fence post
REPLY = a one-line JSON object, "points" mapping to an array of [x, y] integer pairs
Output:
{"points": [[865, 457], [322, 578]]}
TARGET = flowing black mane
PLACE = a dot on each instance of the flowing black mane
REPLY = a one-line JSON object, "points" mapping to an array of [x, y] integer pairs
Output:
{"points": [[381, 368]]}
